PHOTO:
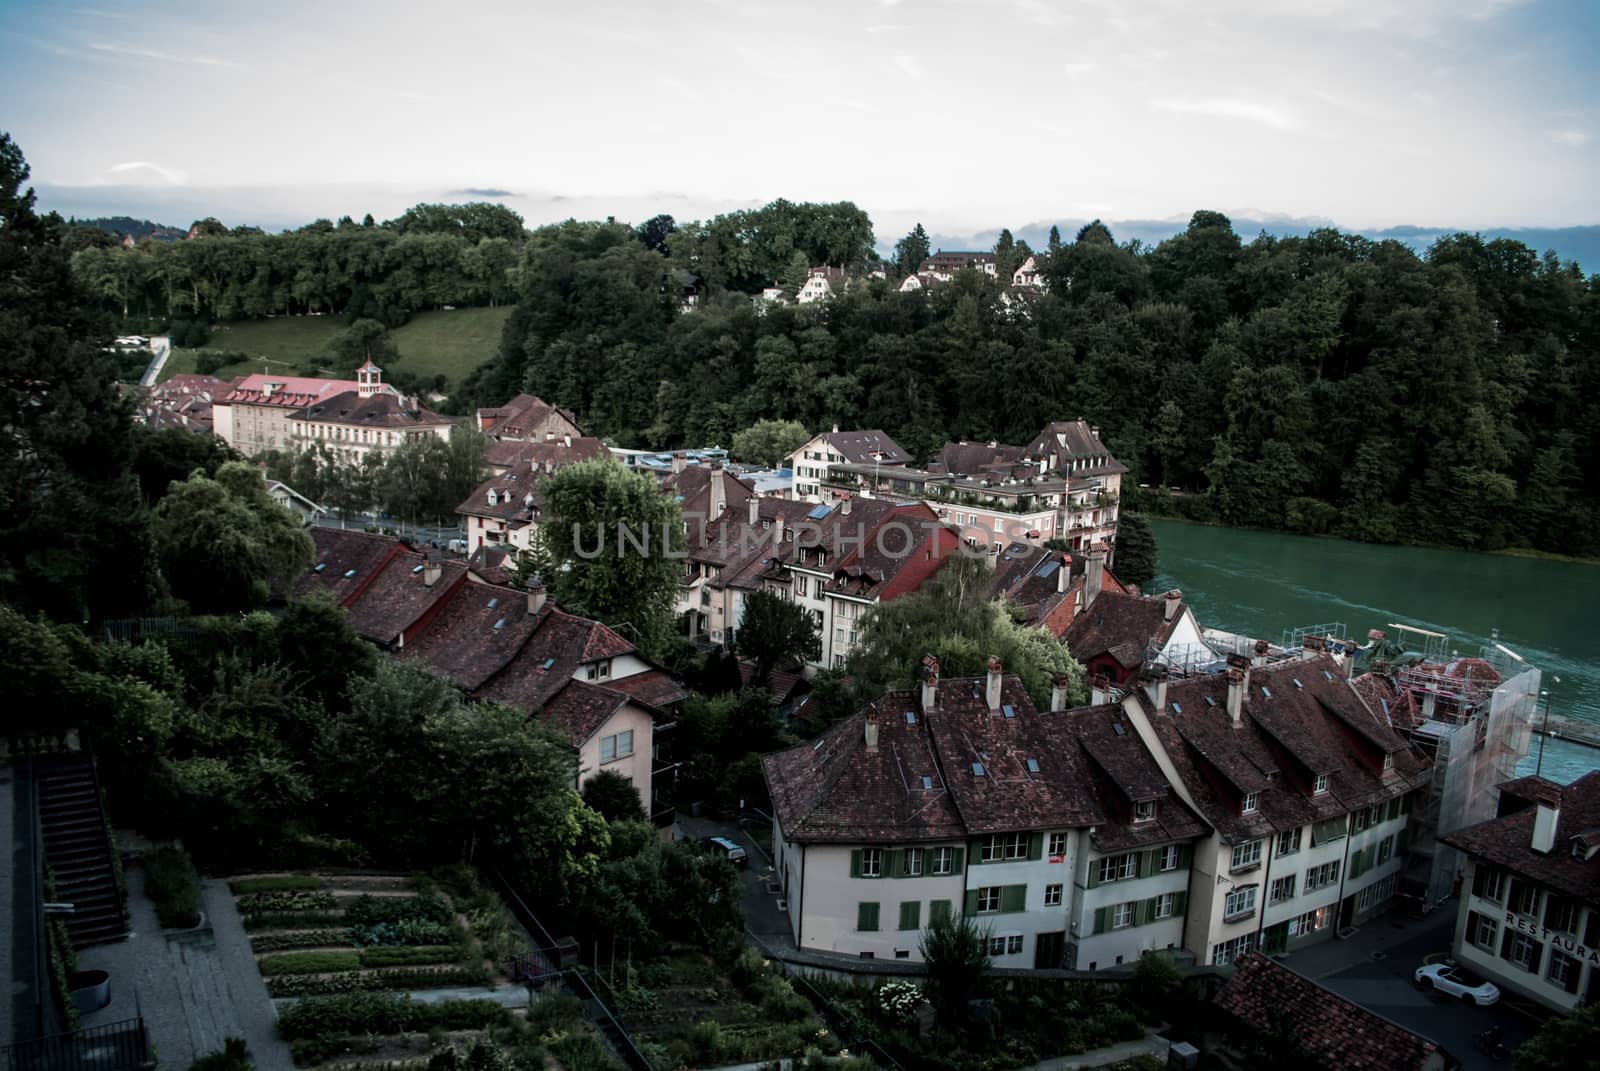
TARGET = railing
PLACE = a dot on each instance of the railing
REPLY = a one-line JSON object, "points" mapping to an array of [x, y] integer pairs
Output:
{"points": [[123, 1046]]}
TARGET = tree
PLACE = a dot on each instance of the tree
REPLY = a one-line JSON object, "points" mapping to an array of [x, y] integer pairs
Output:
{"points": [[956, 952], [1135, 550], [911, 251], [224, 543], [654, 232], [164, 456], [610, 544], [775, 630], [613, 796], [1054, 243], [66, 448], [770, 442], [1563, 1043]]}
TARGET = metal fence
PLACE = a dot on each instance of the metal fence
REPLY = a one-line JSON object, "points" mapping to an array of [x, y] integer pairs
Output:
{"points": [[123, 1046]]}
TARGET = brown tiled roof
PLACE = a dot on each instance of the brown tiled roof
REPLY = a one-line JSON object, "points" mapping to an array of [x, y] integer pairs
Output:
{"points": [[520, 417], [543, 456], [653, 687], [399, 595], [380, 410], [552, 652], [1508, 840], [898, 550], [462, 644], [693, 489], [1124, 774], [1286, 736], [579, 709], [510, 491], [967, 459], [1336, 1034], [340, 552], [1069, 440], [858, 447], [780, 683], [491, 563], [1125, 626], [955, 260]]}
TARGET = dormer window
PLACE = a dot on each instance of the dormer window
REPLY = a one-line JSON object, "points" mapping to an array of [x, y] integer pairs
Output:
{"points": [[1144, 812], [1251, 803], [599, 670], [1320, 785], [1388, 763]]}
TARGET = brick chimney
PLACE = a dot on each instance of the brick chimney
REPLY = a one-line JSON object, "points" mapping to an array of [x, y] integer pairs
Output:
{"points": [[1155, 685], [536, 599], [1100, 690], [1546, 818], [1060, 684], [844, 507], [870, 732], [992, 685], [719, 492], [1064, 574], [755, 510], [431, 572], [1238, 681], [930, 682], [1094, 574], [1262, 647], [1174, 601]]}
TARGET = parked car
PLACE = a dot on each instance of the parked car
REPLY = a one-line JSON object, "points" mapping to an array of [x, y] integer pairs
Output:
{"points": [[1457, 981], [728, 849]]}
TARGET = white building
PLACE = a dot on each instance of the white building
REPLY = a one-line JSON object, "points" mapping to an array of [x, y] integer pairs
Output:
{"points": [[810, 462], [373, 418], [821, 283]]}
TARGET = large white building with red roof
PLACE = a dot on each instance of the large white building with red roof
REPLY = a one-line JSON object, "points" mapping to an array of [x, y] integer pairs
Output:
{"points": [[254, 415]]}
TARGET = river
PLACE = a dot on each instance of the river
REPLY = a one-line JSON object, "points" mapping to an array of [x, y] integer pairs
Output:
{"points": [[1263, 583]]}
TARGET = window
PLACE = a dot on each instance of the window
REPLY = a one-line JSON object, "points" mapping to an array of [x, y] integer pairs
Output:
{"points": [[913, 859], [1058, 847], [1376, 893], [1524, 898], [1052, 895], [1329, 830], [1229, 951], [1289, 843], [988, 899], [1394, 808], [1482, 931], [1320, 785], [1122, 916], [800, 586], [617, 746], [1166, 904], [1310, 922], [872, 862], [1252, 803], [911, 914], [1360, 820], [1239, 903], [938, 910], [601, 670], [944, 861], [1144, 812], [1385, 849], [1523, 951], [1118, 867], [1282, 889], [1002, 846], [1561, 914], [1167, 858], [867, 917], [1013, 944], [1563, 971], [1005, 945], [1489, 883], [1320, 877], [1246, 855]]}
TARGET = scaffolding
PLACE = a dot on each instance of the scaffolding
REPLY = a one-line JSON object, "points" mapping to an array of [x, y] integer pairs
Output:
{"points": [[1294, 639]]}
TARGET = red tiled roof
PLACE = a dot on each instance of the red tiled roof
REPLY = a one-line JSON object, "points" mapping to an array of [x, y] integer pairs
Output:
{"points": [[555, 648], [693, 488], [1335, 1033], [341, 551], [859, 447], [1122, 625], [380, 410], [1508, 840], [1125, 774], [654, 687], [544, 456], [779, 683], [462, 644], [287, 392], [510, 492], [399, 595], [521, 416], [579, 709]]}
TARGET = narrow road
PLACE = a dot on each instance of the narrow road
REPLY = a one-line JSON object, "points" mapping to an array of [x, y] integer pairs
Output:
{"points": [[161, 347]]}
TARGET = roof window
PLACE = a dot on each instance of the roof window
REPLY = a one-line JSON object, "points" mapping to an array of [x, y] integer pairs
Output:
{"points": [[1008, 710], [927, 782], [977, 769], [1033, 765], [349, 573], [1177, 708], [500, 623], [319, 567], [494, 602], [1266, 692], [911, 717]]}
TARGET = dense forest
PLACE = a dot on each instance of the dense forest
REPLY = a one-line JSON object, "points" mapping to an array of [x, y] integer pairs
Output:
{"points": [[1325, 384]]}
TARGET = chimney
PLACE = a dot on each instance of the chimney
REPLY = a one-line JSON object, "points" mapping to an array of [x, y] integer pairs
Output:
{"points": [[1174, 601], [527, 500], [870, 729], [777, 534], [536, 599], [836, 429], [679, 462], [719, 493], [930, 682], [1064, 575], [1094, 574], [1238, 681], [1100, 690], [566, 440], [755, 510], [1545, 819], [1059, 685], [1155, 686], [1312, 645], [431, 571], [992, 686], [1262, 647], [844, 507]]}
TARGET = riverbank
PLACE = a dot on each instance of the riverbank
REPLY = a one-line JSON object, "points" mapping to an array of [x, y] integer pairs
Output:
{"points": [[1572, 729]]}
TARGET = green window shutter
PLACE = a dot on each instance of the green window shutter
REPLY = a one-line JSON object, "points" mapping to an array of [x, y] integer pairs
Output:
{"points": [[1141, 910], [1099, 920], [1537, 961], [1355, 866], [1179, 902], [855, 863], [972, 901], [961, 859], [1400, 843], [1013, 898], [1094, 873], [1505, 941], [911, 914], [892, 862], [1185, 856], [1036, 846], [937, 910], [867, 917]]}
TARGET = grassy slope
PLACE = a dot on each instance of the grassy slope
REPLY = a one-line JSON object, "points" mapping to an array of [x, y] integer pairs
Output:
{"points": [[453, 343]]}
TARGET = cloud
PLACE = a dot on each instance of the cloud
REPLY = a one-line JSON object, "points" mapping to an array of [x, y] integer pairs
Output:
{"points": [[1230, 108], [173, 176], [852, 104], [885, 27], [908, 66], [1078, 70], [1575, 138], [163, 57], [481, 191]]}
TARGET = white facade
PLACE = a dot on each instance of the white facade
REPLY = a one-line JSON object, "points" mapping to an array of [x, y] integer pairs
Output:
{"points": [[1128, 903], [1528, 939], [810, 467], [1030, 273], [622, 744]]}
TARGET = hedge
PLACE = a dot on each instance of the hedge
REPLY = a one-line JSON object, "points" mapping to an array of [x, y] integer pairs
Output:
{"points": [[405, 956], [283, 942], [173, 886], [353, 982], [384, 1013], [309, 963], [271, 920], [244, 886]]}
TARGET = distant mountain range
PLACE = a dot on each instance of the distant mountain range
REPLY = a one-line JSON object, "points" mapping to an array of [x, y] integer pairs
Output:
{"points": [[1581, 244], [139, 228]]}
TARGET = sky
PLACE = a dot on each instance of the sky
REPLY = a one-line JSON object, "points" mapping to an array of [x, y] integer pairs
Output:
{"points": [[964, 114]]}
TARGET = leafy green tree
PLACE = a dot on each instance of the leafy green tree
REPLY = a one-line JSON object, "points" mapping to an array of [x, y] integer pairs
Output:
{"points": [[473, 222], [223, 543], [608, 546], [613, 796], [1135, 551], [655, 231], [1054, 243], [770, 442], [1562, 1043], [164, 456], [775, 630], [794, 274], [911, 251], [956, 951]]}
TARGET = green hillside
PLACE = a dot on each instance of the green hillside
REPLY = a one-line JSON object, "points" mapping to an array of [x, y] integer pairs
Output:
{"points": [[452, 343]]}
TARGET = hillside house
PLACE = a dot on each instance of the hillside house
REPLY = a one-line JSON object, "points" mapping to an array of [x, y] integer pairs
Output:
{"points": [[810, 462]]}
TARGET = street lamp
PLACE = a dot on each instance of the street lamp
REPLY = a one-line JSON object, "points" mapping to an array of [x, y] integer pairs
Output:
{"points": [[1544, 725]]}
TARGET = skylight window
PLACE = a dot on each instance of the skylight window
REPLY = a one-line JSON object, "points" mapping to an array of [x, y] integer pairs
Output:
{"points": [[494, 602], [500, 623], [1177, 708], [817, 745], [1296, 682], [977, 769], [1118, 728], [1328, 675], [1033, 765], [911, 717], [1266, 692], [1209, 701], [548, 662], [927, 782], [417, 569], [349, 573], [319, 567], [1008, 711]]}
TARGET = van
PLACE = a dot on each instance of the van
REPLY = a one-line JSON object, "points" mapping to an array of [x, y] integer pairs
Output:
{"points": [[458, 546], [727, 849]]}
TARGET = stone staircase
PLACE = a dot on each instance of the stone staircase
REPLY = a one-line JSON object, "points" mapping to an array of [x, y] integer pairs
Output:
{"points": [[77, 847]]}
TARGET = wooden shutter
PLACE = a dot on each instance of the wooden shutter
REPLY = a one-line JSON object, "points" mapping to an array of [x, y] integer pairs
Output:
{"points": [[1141, 912], [1036, 846], [1014, 898], [972, 901], [961, 860], [1141, 864], [975, 849], [855, 863], [1094, 873], [1505, 942], [1400, 843], [1179, 902], [938, 909], [1537, 960], [892, 861], [911, 914], [1480, 878], [867, 916], [1185, 855], [1099, 920], [1473, 921]]}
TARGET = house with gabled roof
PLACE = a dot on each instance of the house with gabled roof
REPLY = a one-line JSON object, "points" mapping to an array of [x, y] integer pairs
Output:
{"points": [[1050, 587], [1053, 830], [546, 455], [1308, 793], [1118, 632], [253, 414], [943, 265], [373, 417], [810, 462], [527, 418]]}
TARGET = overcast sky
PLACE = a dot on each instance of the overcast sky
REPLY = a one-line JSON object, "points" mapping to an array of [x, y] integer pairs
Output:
{"points": [[964, 113]]}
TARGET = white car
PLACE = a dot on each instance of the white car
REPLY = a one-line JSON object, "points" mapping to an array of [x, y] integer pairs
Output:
{"points": [[1457, 981]]}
